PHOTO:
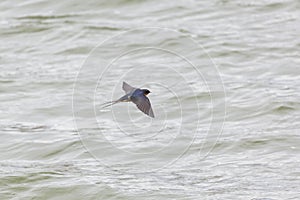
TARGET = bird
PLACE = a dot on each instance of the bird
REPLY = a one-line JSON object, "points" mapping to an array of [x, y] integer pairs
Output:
{"points": [[135, 95]]}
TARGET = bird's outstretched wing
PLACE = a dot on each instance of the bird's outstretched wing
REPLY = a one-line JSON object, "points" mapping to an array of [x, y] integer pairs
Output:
{"points": [[127, 88], [144, 105]]}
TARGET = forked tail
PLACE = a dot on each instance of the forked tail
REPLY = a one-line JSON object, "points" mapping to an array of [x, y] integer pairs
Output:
{"points": [[110, 103]]}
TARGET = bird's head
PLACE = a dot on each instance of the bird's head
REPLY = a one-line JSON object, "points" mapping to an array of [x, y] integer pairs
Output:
{"points": [[146, 92]]}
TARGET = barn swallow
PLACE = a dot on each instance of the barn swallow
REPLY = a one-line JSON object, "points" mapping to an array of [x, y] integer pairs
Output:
{"points": [[137, 96]]}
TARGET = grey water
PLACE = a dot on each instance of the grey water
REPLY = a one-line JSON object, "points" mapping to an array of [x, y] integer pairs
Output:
{"points": [[225, 89]]}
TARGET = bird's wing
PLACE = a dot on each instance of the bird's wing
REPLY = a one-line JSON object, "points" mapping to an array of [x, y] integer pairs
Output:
{"points": [[127, 88], [144, 105]]}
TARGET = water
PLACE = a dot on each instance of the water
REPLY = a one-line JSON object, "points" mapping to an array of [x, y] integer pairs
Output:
{"points": [[225, 91]]}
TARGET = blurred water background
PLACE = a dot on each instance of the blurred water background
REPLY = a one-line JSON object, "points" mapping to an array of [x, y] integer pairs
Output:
{"points": [[225, 83]]}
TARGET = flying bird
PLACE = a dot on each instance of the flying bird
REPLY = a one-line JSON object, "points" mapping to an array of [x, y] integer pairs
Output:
{"points": [[135, 95]]}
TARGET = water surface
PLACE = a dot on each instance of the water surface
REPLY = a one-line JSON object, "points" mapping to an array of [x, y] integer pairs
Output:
{"points": [[225, 91]]}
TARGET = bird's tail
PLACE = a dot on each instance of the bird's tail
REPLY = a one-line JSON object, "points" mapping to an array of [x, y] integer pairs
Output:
{"points": [[110, 103]]}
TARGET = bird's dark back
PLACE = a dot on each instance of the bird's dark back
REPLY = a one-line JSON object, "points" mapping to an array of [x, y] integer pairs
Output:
{"points": [[137, 93]]}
